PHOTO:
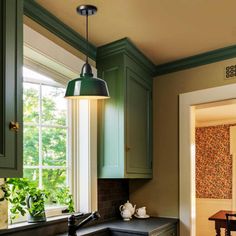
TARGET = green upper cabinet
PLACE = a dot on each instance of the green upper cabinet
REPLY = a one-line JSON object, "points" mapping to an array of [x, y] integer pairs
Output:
{"points": [[125, 120], [11, 54]]}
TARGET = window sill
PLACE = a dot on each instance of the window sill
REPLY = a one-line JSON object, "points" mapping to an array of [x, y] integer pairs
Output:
{"points": [[56, 224]]}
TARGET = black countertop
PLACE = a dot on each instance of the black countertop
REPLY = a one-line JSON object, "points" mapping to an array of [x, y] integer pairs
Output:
{"points": [[141, 226]]}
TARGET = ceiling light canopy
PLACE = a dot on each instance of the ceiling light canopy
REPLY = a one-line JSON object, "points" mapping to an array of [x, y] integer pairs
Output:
{"points": [[86, 86]]}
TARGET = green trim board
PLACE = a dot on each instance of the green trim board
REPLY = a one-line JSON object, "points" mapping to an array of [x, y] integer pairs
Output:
{"points": [[46, 19], [125, 46], [11, 94], [197, 60]]}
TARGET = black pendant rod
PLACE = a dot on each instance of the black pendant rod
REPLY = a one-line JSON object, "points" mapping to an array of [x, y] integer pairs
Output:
{"points": [[86, 10], [87, 36]]}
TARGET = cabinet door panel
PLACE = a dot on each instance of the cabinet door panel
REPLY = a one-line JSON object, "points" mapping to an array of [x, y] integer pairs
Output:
{"points": [[122, 233], [111, 127], [11, 39], [2, 142], [169, 231], [138, 125]]}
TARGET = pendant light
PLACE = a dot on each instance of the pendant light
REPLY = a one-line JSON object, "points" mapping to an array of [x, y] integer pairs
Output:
{"points": [[86, 86]]}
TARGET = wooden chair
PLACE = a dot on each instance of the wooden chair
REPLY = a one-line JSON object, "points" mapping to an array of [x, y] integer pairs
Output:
{"points": [[229, 227]]}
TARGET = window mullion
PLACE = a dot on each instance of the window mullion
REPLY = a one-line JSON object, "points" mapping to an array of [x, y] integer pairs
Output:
{"points": [[46, 126]]}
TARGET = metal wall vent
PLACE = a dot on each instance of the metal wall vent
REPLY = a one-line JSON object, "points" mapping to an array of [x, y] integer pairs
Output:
{"points": [[230, 72]]}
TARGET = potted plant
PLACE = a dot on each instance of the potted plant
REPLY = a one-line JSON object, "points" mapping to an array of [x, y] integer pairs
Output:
{"points": [[35, 202], [24, 196]]}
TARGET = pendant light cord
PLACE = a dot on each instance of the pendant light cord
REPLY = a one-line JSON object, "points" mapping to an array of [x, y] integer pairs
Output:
{"points": [[87, 36]]}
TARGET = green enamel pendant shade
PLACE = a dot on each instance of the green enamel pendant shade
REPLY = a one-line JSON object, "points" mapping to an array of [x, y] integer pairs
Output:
{"points": [[86, 86]]}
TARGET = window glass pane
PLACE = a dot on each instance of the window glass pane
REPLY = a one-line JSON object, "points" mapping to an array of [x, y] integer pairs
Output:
{"points": [[45, 134], [53, 179], [54, 146], [53, 106], [32, 174], [31, 146], [31, 103]]}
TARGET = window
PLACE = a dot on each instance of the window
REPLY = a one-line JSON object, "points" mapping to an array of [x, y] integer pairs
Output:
{"points": [[45, 132], [72, 151]]}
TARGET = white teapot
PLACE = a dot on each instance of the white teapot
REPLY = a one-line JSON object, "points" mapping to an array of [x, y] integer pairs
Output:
{"points": [[128, 206], [126, 214]]}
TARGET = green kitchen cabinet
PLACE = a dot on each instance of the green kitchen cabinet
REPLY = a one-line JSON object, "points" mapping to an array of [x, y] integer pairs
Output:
{"points": [[168, 231], [125, 120], [11, 65]]}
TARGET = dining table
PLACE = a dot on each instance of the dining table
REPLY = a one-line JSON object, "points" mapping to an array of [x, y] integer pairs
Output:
{"points": [[220, 220]]}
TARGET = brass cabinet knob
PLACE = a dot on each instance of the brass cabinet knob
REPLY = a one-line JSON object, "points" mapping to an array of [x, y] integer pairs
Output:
{"points": [[14, 126]]}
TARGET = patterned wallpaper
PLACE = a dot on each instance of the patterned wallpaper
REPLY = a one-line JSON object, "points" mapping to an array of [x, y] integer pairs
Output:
{"points": [[213, 162]]}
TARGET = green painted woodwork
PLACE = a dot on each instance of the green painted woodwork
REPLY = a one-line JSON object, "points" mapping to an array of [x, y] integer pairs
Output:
{"points": [[197, 60], [11, 51], [138, 111], [169, 231], [127, 47], [111, 121], [124, 120], [2, 141], [46, 19]]}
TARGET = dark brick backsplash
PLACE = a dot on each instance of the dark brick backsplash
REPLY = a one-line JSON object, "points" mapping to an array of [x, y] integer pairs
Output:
{"points": [[111, 194]]}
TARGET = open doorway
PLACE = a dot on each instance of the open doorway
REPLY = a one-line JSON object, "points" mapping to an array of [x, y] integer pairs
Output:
{"points": [[214, 134], [187, 107]]}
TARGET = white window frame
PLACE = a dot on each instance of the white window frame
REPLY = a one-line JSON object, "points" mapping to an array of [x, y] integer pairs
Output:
{"points": [[46, 57], [40, 126], [84, 150]]}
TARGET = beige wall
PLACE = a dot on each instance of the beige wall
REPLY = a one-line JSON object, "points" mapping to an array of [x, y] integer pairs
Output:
{"points": [[206, 207], [160, 194]]}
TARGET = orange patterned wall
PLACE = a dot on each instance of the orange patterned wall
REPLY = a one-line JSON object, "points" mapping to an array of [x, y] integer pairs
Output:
{"points": [[213, 162]]}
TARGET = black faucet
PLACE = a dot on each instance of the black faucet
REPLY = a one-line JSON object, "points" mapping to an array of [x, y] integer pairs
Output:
{"points": [[72, 226]]}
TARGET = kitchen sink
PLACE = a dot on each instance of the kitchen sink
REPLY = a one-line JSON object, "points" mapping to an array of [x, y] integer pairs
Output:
{"points": [[103, 232], [110, 232]]}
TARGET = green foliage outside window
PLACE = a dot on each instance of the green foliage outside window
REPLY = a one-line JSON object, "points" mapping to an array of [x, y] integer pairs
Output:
{"points": [[51, 116]]}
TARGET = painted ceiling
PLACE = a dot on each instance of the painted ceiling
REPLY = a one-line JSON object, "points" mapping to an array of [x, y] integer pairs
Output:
{"points": [[164, 30]]}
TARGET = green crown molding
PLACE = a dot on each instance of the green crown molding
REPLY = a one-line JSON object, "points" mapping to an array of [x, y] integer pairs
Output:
{"points": [[127, 47], [43, 17], [197, 60]]}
